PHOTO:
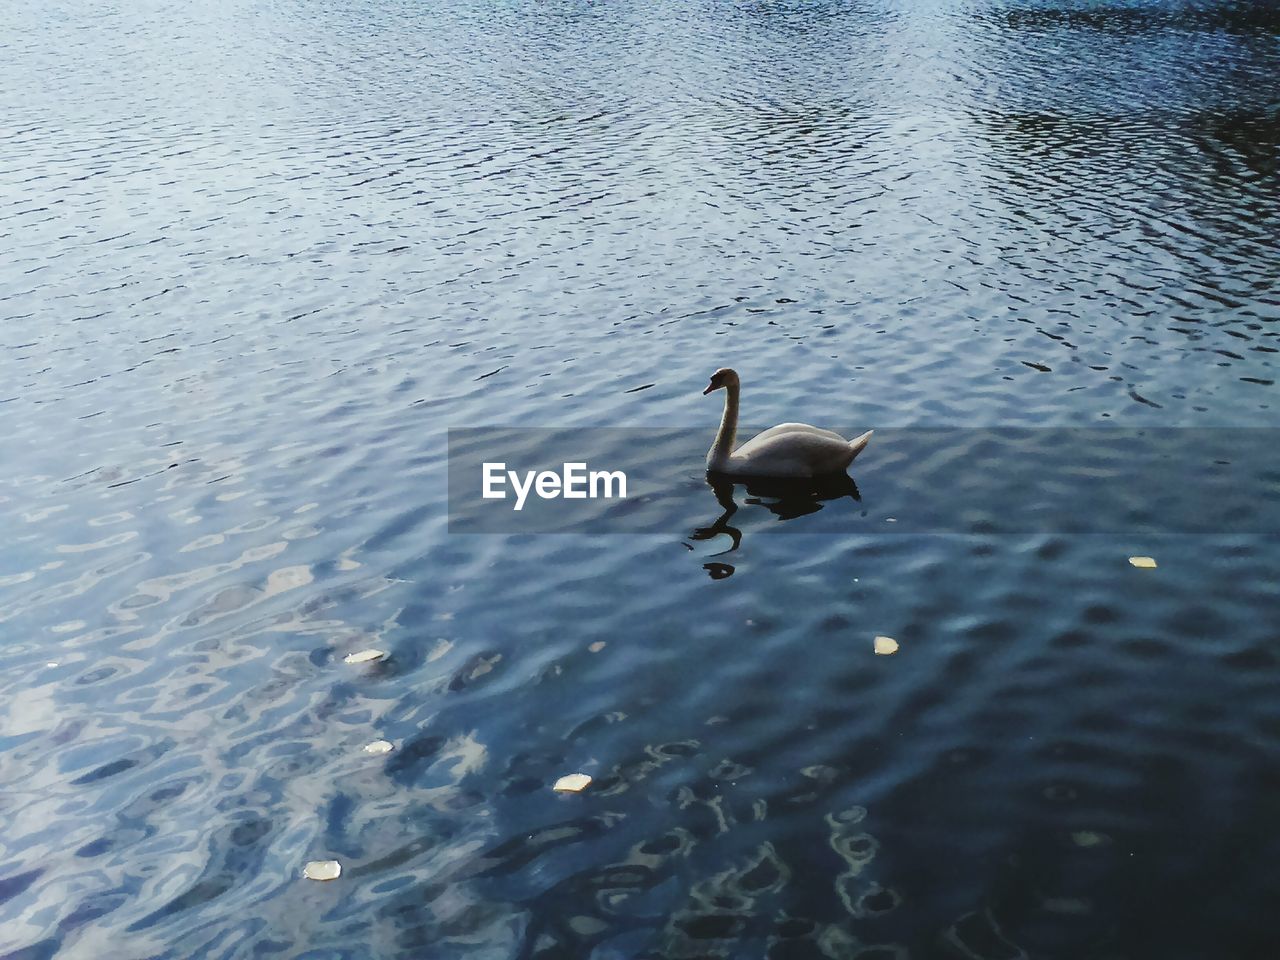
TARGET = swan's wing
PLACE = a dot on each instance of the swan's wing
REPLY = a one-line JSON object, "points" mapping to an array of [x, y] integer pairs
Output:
{"points": [[795, 428], [794, 454]]}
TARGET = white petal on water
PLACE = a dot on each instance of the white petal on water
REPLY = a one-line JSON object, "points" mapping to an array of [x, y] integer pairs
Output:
{"points": [[587, 926], [572, 783], [1088, 838], [886, 646], [1067, 905], [322, 870], [364, 656], [379, 746], [1143, 563], [596, 647]]}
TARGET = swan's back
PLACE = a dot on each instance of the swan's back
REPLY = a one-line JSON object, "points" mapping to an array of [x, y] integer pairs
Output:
{"points": [[796, 428], [795, 453]]}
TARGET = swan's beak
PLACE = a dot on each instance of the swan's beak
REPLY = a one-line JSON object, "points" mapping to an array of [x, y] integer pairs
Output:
{"points": [[710, 387]]}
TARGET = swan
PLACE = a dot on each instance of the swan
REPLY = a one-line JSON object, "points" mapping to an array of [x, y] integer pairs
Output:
{"points": [[787, 450]]}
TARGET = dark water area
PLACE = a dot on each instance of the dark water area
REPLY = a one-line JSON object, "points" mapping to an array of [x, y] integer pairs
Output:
{"points": [[257, 259]]}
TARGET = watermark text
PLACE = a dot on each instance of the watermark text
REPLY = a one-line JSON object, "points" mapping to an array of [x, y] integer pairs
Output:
{"points": [[573, 482]]}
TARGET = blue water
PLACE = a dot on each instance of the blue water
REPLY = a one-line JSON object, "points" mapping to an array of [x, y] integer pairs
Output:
{"points": [[256, 260]]}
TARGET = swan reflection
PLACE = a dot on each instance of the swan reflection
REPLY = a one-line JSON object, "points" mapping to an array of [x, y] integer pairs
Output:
{"points": [[786, 499]]}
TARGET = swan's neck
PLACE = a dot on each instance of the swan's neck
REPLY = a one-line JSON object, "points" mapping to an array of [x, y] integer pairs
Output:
{"points": [[718, 455]]}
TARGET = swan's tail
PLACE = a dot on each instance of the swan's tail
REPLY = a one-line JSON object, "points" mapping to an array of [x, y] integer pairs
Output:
{"points": [[857, 444]]}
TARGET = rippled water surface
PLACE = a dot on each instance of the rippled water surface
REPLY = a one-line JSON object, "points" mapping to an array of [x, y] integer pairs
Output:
{"points": [[257, 258]]}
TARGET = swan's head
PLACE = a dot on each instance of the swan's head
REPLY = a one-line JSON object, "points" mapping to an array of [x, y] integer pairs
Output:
{"points": [[724, 377]]}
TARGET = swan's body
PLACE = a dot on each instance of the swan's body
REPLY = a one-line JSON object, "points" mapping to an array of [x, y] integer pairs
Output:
{"points": [[787, 450]]}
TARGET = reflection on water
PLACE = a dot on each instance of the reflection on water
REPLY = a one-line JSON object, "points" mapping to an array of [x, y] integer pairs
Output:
{"points": [[786, 499], [256, 259]]}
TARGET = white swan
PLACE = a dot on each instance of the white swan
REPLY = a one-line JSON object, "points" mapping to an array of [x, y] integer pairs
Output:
{"points": [[787, 450]]}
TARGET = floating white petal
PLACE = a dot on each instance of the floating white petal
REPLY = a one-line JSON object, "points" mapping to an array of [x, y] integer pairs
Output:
{"points": [[886, 646], [322, 870], [573, 783], [596, 647], [1143, 563], [364, 656], [379, 746]]}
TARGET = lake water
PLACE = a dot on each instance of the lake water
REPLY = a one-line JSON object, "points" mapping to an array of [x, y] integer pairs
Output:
{"points": [[256, 259]]}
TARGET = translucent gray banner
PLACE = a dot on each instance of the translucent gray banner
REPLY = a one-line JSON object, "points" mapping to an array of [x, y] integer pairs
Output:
{"points": [[908, 480]]}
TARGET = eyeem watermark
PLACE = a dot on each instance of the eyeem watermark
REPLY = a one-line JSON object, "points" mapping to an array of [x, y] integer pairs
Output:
{"points": [[573, 482]]}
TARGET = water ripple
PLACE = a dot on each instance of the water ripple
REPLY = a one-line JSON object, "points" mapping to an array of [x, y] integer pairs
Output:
{"points": [[256, 259]]}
